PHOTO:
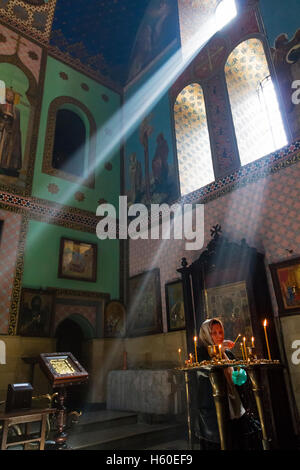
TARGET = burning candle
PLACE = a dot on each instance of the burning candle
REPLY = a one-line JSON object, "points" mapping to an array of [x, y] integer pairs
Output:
{"points": [[252, 341], [220, 351], [180, 359], [267, 341], [245, 349], [195, 342], [242, 349], [191, 358]]}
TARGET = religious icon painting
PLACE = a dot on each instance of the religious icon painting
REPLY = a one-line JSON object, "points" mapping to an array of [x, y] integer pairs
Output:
{"points": [[36, 313], [230, 303], [286, 279], [175, 305], [77, 260], [19, 116], [114, 320], [144, 315]]}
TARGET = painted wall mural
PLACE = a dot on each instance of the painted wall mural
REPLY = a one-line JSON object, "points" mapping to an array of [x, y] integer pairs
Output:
{"points": [[157, 30], [150, 167], [20, 63]]}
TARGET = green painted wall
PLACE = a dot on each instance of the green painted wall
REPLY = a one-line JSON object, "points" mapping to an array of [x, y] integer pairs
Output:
{"points": [[107, 182], [42, 256]]}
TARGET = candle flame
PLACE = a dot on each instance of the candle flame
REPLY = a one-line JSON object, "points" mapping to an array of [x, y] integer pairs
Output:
{"points": [[179, 350], [244, 339], [265, 323], [195, 339]]}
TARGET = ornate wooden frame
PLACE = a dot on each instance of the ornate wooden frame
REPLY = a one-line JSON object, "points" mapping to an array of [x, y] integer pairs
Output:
{"points": [[75, 278], [283, 303]]}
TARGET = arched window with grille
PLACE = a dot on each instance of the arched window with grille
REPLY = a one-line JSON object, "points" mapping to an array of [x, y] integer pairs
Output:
{"points": [[192, 140], [254, 104]]}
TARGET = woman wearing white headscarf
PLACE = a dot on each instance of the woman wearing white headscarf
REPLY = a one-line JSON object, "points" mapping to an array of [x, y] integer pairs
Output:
{"points": [[212, 333]]}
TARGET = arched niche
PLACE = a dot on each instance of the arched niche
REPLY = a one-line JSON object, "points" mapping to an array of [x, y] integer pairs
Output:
{"points": [[86, 151], [192, 140]]}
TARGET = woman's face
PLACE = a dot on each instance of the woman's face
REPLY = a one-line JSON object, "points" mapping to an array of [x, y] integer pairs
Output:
{"points": [[217, 333]]}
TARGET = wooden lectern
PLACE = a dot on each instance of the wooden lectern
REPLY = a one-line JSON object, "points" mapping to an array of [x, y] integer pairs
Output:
{"points": [[62, 371]]}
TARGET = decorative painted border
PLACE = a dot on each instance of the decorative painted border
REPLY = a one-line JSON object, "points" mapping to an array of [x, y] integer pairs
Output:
{"points": [[70, 293], [17, 285], [45, 211], [47, 167]]}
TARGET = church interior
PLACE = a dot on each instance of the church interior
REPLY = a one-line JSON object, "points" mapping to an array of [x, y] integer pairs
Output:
{"points": [[112, 107]]}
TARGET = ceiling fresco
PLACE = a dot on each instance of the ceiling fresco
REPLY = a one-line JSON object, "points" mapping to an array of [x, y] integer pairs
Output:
{"points": [[117, 38]]}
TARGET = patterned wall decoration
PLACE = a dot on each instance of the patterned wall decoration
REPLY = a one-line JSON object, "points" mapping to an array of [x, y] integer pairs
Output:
{"points": [[192, 140], [89, 305], [63, 311], [32, 16], [246, 67], [30, 54], [224, 147], [265, 212], [9, 252]]}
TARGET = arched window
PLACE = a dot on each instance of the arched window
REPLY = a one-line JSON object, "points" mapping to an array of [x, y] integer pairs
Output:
{"points": [[69, 147], [257, 119], [192, 140], [70, 142]]}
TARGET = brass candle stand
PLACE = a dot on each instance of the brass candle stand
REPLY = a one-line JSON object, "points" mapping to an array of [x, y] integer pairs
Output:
{"points": [[215, 368]]}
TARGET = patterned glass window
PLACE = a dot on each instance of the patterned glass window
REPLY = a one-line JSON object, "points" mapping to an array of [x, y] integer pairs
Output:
{"points": [[254, 103], [192, 140]]}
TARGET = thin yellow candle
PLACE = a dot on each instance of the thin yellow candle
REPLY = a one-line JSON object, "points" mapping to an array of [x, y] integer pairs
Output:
{"points": [[220, 351], [180, 359], [195, 342], [237, 338], [267, 341], [245, 349], [252, 341], [242, 349]]}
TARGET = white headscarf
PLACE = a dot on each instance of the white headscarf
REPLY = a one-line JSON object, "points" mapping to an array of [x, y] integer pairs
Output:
{"points": [[236, 408], [205, 331]]}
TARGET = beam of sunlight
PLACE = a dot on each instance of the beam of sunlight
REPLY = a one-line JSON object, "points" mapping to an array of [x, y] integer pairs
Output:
{"points": [[124, 122], [225, 12]]}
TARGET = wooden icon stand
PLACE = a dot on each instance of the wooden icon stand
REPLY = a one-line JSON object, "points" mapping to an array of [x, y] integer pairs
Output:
{"points": [[62, 371]]}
